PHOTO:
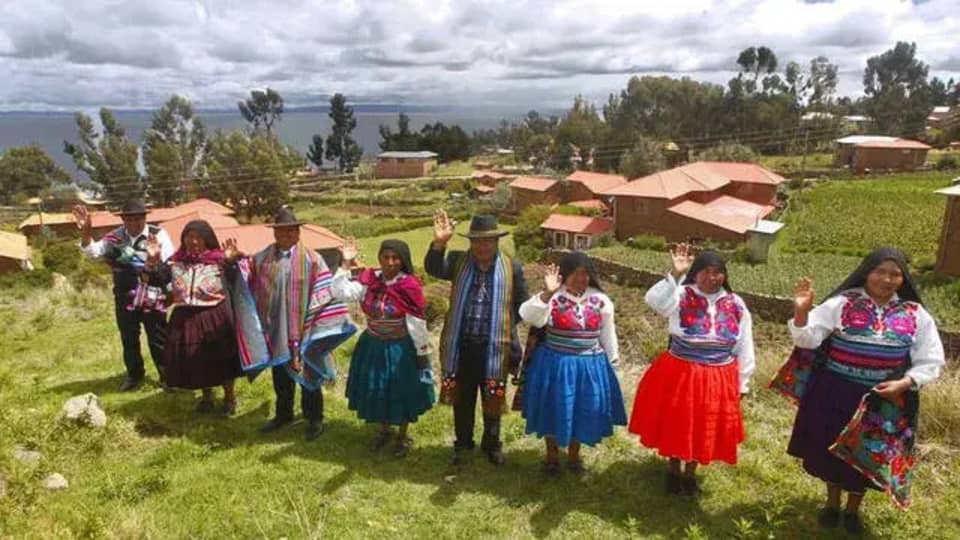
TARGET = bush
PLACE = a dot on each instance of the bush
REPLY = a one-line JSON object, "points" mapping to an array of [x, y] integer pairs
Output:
{"points": [[729, 151], [90, 274], [528, 237], [646, 157], [62, 257], [436, 309], [605, 240], [41, 278], [646, 241], [948, 162]]}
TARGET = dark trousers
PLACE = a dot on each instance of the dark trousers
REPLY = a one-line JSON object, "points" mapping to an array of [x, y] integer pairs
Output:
{"points": [[311, 403], [154, 324], [470, 374]]}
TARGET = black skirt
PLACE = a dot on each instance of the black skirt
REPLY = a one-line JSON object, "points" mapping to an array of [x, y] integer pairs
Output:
{"points": [[201, 348]]}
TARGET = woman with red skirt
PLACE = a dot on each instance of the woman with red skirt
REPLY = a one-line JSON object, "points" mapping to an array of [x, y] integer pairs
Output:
{"points": [[688, 402]]}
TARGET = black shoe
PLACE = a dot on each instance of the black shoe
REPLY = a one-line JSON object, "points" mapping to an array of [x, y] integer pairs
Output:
{"points": [[674, 484], [205, 405], [402, 447], [131, 383], [852, 523], [229, 409], [690, 486], [381, 440], [460, 456], [314, 429], [495, 457], [551, 469], [275, 424], [828, 518], [576, 466]]}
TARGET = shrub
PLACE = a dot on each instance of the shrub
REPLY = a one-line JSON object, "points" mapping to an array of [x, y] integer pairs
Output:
{"points": [[948, 162], [605, 240], [41, 278], [729, 151], [62, 257], [646, 241], [528, 237]]}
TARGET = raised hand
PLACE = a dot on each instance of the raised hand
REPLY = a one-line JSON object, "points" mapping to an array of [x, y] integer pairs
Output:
{"points": [[443, 227], [803, 295], [82, 217], [153, 250], [681, 257], [552, 281], [349, 251], [230, 251]]}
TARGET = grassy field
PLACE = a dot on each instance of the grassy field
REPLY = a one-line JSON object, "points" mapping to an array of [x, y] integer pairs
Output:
{"points": [[159, 471], [792, 164], [854, 216]]}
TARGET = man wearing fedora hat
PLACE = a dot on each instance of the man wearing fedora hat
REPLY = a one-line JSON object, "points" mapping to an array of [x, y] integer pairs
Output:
{"points": [[125, 250], [301, 321], [479, 344]]}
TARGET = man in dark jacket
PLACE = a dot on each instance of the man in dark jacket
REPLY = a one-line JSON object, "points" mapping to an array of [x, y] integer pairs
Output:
{"points": [[479, 343]]}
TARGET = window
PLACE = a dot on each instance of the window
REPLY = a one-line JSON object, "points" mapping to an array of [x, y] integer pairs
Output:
{"points": [[581, 241], [559, 239]]}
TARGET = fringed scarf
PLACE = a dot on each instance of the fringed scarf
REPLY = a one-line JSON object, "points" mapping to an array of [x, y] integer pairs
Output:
{"points": [[494, 388], [316, 322]]}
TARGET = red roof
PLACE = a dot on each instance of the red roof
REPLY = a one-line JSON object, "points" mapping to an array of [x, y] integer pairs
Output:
{"points": [[484, 189], [533, 183], [253, 238], [597, 182], [726, 212], [577, 224], [491, 175], [174, 227], [98, 220], [595, 204], [159, 215], [699, 176], [898, 144]]}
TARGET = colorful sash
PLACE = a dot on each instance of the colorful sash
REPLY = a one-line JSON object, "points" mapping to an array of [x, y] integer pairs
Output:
{"points": [[501, 326], [879, 443], [388, 329], [702, 351], [572, 341], [865, 363]]}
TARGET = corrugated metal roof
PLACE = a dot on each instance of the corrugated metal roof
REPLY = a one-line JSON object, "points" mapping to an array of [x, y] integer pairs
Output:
{"points": [[407, 155], [859, 139], [533, 183], [693, 177], [899, 144], [597, 182], [592, 203], [726, 212], [14, 246], [577, 224]]}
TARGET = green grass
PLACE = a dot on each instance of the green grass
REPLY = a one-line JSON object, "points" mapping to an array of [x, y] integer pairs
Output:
{"points": [[854, 216], [159, 471], [454, 168], [419, 241], [792, 164]]}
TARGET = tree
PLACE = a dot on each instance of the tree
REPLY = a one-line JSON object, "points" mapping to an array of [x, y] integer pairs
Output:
{"points": [[403, 140], [528, 237], [262, 109], [646, 157], [27, 171], [755, 61], [728, 151], [822, 81], [173, 151], [248, 172], [107, 157], [341, 147], [898, 93], [579, 132], [940, 91], [315, 151], [451, 143]]}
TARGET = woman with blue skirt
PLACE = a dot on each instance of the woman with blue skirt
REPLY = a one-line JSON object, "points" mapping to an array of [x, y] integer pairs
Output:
{"points": [[390, 382], [571, 393]]}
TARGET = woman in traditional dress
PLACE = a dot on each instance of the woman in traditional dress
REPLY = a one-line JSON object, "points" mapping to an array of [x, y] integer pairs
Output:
{"points": [[688, 402], [877, 337], [571, 393], [390, 382], [201, 348]]}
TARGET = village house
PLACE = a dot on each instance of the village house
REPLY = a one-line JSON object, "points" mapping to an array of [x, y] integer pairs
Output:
{"points": [[941, 115], [405, 164], [533, 190], [490, 178], [701, 200], [574, 232], [14, 252], [864, 153], [587, 186], [948, 253]]}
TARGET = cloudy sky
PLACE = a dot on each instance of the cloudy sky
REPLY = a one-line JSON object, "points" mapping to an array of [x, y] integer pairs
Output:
{"points": [[65, 54]]}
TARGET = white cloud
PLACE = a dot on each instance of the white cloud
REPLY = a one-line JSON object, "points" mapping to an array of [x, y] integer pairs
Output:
{"points": [[73, 53]]}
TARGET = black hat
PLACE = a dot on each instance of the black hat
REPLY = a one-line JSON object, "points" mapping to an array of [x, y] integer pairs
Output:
{"points": [[133, 207], [484, 226], [285, 218]]}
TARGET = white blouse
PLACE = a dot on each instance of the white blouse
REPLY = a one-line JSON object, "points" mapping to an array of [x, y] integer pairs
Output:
{"points": [[664, 298], [539, 314], [926, 351], [345, 289]]}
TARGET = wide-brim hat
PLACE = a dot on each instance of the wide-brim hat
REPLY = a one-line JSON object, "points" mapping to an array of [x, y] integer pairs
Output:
{"points": [[484, 226], [285, 218], [134, 207]]}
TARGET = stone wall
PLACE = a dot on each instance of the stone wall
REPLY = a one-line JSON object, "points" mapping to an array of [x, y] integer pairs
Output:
{"points": [[771, 308]]}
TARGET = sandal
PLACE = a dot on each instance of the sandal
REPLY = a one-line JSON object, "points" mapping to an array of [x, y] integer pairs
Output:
{"points": [[229, 409], [576, 466], [402, 447]]}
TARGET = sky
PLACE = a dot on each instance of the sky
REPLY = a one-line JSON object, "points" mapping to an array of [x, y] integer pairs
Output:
{"points": [[70, 54]]}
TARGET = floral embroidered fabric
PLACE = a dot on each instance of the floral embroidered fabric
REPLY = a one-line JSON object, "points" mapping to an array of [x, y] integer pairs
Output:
{"points": [[568, 314], [896, 321]]}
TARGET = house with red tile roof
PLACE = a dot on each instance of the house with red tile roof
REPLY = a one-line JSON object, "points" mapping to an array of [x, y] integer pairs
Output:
{"points": [[575, 232], [586, 185], [533, 190], [716, 200]]}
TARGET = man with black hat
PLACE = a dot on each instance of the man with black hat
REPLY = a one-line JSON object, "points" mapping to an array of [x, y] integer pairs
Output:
{"points": [[302, 322], [479, 344], [135, 303]]}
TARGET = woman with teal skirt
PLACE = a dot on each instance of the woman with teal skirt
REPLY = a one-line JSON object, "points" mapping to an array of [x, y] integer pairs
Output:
{"points": [[390, 382]]}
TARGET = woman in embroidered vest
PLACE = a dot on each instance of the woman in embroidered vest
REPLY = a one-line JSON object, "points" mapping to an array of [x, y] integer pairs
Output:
{"points": [[390, 382], [571, 394], [688, 401], [201, 349], [879, 338]]}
